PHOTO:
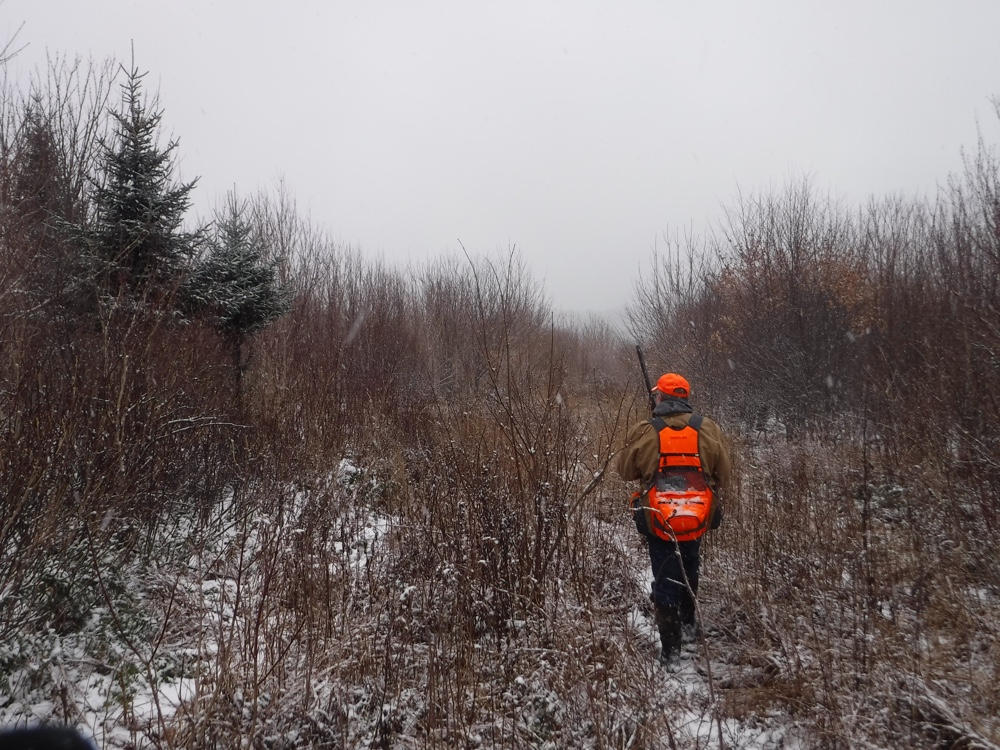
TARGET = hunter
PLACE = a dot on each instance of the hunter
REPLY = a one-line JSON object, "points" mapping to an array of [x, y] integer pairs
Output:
{"points": [[681, 459]]}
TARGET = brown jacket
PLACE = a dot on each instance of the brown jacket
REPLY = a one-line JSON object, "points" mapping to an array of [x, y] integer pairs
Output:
{"points": [[641, 454]]}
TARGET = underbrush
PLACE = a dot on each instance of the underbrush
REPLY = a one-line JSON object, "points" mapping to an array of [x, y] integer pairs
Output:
{"points": [[371, 606], [864, 605], [341, 612]]}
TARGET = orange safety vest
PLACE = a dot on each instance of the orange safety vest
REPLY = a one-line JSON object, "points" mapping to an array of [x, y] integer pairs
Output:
{"points": [[678, 503]]}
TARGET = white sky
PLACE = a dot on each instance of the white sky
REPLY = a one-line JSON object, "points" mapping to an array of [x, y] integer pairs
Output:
{"points": [[578, 131]]}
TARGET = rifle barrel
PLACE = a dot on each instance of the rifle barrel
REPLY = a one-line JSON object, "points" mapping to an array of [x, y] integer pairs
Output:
{"points": [[645, 377]]}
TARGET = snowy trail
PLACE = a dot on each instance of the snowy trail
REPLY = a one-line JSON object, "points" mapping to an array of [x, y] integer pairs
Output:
{"points": [[689, 692]]}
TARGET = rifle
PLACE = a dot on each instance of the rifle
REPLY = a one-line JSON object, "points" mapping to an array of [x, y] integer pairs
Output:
{"points": [[645, 377]]}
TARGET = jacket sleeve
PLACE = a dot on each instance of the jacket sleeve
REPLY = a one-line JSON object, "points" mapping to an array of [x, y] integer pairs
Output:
{"points": [[640, 455], [715, 456]]}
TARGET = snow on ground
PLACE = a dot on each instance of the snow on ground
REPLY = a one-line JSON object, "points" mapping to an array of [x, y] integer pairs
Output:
{"points": [[127, 691], [689, 692]]}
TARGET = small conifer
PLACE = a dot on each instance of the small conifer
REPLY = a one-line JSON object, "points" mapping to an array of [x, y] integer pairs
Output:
{"points": [[236, 284]]}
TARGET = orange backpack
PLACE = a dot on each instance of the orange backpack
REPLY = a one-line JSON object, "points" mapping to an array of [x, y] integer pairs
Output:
{"points": [[678, 503]]}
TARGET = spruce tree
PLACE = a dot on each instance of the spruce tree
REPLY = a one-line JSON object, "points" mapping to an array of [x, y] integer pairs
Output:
{"points": [[37, 198], [236, 284], [135, 241]]}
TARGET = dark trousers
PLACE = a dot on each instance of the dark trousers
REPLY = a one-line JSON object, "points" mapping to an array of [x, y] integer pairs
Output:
{"points": [[669, 590]]}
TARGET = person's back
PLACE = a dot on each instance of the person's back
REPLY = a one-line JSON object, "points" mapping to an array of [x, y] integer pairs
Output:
{"points": [[646, 456]]}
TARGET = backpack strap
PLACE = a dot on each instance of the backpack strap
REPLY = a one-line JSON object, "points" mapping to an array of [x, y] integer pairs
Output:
{"points": [[694, 423]]}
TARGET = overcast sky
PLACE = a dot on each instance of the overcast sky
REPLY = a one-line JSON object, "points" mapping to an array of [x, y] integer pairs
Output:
{"points": [[579, 132]]}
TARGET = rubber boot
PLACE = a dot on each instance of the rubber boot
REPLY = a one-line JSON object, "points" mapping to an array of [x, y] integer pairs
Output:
{"points": [[690, 629], [668, 623]]}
